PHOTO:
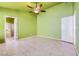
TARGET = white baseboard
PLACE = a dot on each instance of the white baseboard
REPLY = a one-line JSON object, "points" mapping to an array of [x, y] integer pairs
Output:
{"points": [[76, 50], [29, 37], [45, 36]]}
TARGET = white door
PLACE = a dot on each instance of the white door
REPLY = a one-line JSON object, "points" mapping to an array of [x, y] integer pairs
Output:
{"points": [[67, 29]]}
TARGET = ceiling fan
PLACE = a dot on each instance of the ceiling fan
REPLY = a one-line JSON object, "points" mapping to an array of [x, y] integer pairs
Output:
{"points": [[38, 8]]}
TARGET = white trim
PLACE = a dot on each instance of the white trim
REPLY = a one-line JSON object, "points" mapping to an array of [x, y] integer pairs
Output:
{"points": [[28, 37], [46, 36], [15, 26], [74, 28], [76, 50]]}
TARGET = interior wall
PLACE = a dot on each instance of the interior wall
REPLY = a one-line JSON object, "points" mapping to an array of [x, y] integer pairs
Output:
{"points": [[49, 23], [26, 22], [77, 25], [10, 20]]}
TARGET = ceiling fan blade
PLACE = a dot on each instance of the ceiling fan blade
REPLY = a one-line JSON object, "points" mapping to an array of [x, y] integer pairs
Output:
{"points": [[43, 11], [40, 5], [29, 6]]}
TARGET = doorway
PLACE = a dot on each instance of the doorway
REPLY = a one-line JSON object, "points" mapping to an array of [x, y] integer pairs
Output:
{"points": [[68, 29], [10, 28]]}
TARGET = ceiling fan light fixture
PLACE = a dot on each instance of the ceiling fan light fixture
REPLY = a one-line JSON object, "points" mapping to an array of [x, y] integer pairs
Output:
{"points": [[36, 11]]}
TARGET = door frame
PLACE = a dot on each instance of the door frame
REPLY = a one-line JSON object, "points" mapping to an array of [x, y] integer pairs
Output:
{"points": [[15, 27], [74, 28]]}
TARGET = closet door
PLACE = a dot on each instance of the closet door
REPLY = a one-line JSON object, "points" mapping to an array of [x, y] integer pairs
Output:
{"points": [[67, 29]]}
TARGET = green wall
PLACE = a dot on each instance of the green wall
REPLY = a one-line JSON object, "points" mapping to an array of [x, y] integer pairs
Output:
{"points": [[49, 23], [10, 20], [77, 25], [26, 22]]}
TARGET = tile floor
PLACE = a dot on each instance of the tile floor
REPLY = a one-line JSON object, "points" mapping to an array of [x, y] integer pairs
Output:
{"points": [[36, 46]]}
